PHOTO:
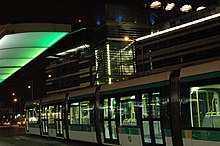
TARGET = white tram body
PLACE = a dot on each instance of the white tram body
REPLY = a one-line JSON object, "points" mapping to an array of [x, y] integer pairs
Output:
{"points": [[180, 106]]}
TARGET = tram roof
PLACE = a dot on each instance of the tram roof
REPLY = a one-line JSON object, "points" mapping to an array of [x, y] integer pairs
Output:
{"points": [[21, 43], [137, 83]]}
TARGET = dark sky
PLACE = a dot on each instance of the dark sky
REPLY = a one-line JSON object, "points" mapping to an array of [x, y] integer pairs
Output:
{"points": [[49, 11], [59, 11]]}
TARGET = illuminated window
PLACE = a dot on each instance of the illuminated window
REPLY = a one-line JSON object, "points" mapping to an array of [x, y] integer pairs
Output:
{"points": [[127, 111], [205, 106], [81, 113], [33, 114], [51, 115]]}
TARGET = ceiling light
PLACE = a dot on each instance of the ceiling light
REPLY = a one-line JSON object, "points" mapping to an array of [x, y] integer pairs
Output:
{"points": [[200, 8], [155, 5], [170, 6], [186, 8]]}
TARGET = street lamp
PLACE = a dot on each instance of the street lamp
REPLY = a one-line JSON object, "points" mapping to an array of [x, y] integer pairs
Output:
{"points": [[16, 99], [31, 87]]}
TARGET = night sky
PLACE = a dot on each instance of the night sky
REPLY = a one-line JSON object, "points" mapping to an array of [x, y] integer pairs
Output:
{"points": [[52, 11]]}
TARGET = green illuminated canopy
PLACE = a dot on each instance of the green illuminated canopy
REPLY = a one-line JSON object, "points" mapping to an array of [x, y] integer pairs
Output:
{"points": [[25, 43]]}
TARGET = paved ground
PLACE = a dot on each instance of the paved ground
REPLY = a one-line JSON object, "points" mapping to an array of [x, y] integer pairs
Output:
{"points": [[16, 136]]}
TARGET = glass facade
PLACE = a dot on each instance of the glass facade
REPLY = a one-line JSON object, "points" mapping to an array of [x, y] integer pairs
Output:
{"points": [[117, 62]]}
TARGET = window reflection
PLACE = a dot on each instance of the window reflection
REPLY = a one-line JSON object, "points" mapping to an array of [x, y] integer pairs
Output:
{"points": [[127, 111], [205, 106], [81, 113]]}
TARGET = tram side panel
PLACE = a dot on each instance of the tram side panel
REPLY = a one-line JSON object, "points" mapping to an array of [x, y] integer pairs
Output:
{"points": [[33, 117], [81, 119], [200, 96], [53, 116], [131, 111]]}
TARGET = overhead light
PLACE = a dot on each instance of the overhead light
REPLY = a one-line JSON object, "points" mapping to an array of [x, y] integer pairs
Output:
{"points": [[200, 8], [155, 5], [73, 49], [186, 8], [178, 27], [170, 6]]}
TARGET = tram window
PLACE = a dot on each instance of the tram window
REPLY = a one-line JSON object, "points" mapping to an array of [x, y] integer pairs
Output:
{"points": [[85, 112], [105, 108], [81, 113], [74, 113], [127, 111], [33, 115], [205, 106], [51, 115], [156, 104], [43, 113], [145, 107]]}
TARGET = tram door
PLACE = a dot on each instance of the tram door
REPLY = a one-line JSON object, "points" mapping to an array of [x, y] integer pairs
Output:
{"points": [[59, 120], [110, 125], [152, 132], [44, 118]]}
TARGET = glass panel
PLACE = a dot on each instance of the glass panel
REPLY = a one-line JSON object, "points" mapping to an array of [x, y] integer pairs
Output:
{"points": [[85, 112], [57, 127], [33, 115], [60, 112], [46, 126], [146, 128], [61, 127], [51, 115], [156, 105], [127, 111], [145, 105], [106, 127], [114, 132], [157, 132], [74, 113], [205, 106], [57, 112], [105, 108], [113, 108]]}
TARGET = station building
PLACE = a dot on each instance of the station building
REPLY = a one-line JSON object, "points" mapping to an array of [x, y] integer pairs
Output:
{"points": [[158, 37]]}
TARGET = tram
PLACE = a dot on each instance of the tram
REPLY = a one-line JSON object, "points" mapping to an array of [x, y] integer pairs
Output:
{"points": [[177, 107]]}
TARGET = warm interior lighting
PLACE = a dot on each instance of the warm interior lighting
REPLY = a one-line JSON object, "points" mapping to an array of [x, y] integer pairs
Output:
{"points": [[126, 38]]}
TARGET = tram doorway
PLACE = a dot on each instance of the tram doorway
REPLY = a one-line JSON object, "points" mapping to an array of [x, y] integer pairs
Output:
{"points": [[59, 120], [110, 124], [152, 132]]}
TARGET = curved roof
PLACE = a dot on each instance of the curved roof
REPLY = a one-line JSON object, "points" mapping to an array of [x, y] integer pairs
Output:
{"points": [[21, 43]]}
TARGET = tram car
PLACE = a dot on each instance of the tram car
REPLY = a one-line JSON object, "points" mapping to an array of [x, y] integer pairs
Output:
{"points": [[179, 107]]}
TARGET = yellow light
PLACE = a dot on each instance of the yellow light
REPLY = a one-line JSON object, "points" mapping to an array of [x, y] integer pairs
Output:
{"points": [[15, 100], [126, 38]]}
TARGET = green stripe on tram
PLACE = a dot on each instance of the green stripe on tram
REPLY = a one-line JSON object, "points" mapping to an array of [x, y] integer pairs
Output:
{"points": [[130, 130], [138, 87], [201, 76], [85, 128], [33, 125], [206, 135]]}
